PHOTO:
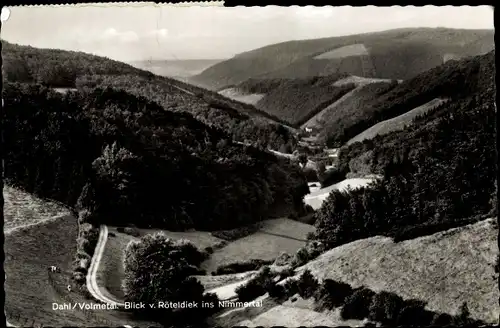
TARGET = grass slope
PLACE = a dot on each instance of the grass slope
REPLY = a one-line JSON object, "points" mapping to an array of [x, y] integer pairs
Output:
{"points": [[392, 54], [247, 98], [444, 269], [276, 236], [397, 123], [22, 209]]}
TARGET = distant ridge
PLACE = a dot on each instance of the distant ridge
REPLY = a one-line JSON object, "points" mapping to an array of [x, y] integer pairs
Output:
{"points": [[392, 54]]}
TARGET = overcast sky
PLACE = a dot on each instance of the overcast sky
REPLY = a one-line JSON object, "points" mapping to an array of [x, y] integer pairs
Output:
{"points": [[149, 31]]}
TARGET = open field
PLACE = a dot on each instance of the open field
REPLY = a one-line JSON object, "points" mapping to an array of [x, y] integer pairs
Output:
{"points": [[316, 198], [359, 81], [276, 236], [346, 51], [444, 269], [22, 208], [397, 123], [233, 93]]}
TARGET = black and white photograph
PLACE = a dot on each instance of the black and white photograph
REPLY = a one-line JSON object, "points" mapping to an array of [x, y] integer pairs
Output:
{"points": [[196, 165]]}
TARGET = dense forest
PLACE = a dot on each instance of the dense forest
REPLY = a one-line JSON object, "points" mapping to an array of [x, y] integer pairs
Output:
{"points": [[453, 80], [70, 69], [438, 173], [127, 160]]}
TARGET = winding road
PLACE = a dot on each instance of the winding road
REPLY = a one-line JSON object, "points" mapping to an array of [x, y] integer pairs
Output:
{"points": [[226, 292]]}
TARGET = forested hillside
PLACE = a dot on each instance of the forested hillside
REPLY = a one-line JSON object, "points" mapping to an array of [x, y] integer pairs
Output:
{"points": [[454, 80], [212, 110], [69, 69], [295, 100], [439, 173], [127, 160], [392, 54]]}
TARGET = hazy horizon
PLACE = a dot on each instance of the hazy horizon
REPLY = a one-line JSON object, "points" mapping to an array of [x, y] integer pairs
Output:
{"points": [[138, 32]]}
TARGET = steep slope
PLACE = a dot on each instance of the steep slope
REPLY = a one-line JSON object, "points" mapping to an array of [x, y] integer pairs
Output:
{"points": [[444, 269], [68, 69], [348, 109], [292, 100], [393, 54], [454, 80], [396, 123]]}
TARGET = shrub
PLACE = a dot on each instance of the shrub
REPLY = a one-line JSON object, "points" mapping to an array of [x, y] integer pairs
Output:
{"points": [[81, 254], [286, 272], [308, 252], [307, 284], [238, 267], [213, 299], [332, 294], [283, 259], [385, 308], [309, 208], [463, 318], [84, 216], [413, 313], [209, 250], [237, 233], [291, 287], [250, 291], [132, 231], [276, 291], [310, 174], [356, 306], [330, 177], [111, 234], [257, 286], [120, 229], [79, 277], [442, 319]]}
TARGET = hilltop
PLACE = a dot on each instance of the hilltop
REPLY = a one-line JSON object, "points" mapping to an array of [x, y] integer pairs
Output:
{"points": [[69, 69], [393, 54]]}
